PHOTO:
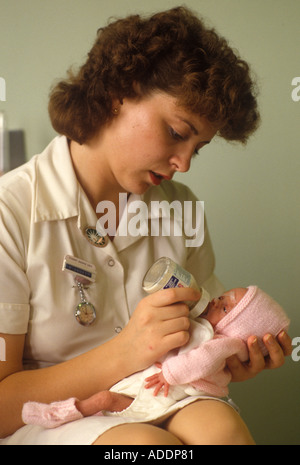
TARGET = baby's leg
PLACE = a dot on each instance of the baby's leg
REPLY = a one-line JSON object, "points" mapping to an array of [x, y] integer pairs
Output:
{"points": [[59, 413], [104, 400]]}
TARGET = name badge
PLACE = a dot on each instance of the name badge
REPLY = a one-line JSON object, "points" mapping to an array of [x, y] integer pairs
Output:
{"points": [[81, 269]]}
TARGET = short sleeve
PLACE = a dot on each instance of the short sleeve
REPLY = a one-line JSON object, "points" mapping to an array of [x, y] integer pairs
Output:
{"points": [[14, 286]]}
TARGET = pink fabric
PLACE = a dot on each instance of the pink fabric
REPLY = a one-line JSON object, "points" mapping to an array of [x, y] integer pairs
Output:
{"points": [[50, 416], [256, 314], [205, 367]]}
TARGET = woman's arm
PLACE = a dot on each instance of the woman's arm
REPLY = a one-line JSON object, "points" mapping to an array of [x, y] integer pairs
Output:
{"points": [[79, 377], [158, 325]]}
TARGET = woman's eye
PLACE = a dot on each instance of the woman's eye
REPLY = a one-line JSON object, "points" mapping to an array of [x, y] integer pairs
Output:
{"points": [[176, 135]]}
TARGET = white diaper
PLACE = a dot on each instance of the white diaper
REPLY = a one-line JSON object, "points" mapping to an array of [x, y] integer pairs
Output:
{"points": [[145, 405]]}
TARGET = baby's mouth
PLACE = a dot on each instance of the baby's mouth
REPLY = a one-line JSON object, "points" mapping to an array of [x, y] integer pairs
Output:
{"points": [[206, 310]]}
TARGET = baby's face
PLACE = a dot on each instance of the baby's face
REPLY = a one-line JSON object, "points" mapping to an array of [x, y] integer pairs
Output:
{"points": [[220, 307]]}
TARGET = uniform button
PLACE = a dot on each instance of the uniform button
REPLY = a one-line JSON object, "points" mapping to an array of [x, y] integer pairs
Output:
{"points": [[111, 262], [118, 329]]}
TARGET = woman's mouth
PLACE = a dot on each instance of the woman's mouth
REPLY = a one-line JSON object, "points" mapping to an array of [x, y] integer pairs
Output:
{"points": [[157, 178]]}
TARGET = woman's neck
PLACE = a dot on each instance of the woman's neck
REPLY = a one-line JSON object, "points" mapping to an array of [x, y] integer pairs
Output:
{"points": [[93, 175]]}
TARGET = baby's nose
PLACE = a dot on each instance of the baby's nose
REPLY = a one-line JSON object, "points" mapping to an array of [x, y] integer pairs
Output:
{"points": [[216, 303]]}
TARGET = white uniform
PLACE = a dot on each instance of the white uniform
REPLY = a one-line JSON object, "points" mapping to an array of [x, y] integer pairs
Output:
{"points": [[43, 217]]}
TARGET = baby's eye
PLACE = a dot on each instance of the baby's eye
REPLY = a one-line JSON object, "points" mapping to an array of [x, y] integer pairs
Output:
{"points": [[225, 309]]}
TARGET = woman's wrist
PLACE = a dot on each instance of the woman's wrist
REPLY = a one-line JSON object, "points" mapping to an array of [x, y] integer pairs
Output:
{"points": [[121, 361]]}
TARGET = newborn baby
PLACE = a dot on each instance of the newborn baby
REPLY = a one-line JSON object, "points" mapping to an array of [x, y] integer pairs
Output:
{"points": [[197, 369]]}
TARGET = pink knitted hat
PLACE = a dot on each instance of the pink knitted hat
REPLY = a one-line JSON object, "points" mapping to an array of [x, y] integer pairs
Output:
{"points": [[257, 314]]}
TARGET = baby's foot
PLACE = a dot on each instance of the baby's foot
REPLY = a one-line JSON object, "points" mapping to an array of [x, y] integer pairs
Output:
{"points": [[50, 415]]}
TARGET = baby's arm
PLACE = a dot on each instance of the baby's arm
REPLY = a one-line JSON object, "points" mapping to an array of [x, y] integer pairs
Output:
{"points": [[207, 359], [202, 362]]}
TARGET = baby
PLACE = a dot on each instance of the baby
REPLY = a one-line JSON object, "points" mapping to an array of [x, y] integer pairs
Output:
{"points": [[197, 369]]}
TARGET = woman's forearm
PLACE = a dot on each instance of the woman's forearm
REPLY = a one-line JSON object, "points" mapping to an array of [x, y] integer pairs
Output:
{"points": [[159, 324], [80, 377]]}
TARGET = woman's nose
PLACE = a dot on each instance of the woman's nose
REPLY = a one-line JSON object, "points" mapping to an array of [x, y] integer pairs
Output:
{"points": [[182, 161]]}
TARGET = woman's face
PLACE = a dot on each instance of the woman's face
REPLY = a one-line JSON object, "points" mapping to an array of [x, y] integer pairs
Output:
{"points": [[148, 141]]}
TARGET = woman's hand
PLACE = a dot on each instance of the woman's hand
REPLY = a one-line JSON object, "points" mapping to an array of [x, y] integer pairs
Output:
{"points": [[159, 324], [278, 348]]}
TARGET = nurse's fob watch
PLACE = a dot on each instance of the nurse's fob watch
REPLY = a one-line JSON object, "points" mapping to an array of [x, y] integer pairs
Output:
{"points": [[85, 312], [84, 275]]}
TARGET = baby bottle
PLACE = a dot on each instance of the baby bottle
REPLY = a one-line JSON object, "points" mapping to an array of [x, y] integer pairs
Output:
{"points": [[165, 273]]}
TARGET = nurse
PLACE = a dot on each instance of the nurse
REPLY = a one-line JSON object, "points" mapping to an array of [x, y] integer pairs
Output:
{"points": [[152, 93]]}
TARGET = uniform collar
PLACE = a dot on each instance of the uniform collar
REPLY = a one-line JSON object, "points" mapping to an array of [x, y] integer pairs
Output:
{"points": [[59, 196], [57, 190]]}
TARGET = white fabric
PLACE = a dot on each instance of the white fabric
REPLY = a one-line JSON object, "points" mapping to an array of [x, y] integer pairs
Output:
{"points": [[149, 407], [43, 214], [86, 430]]}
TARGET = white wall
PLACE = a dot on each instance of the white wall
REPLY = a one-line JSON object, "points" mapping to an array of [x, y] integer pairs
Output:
{"points": [[251, 194]]}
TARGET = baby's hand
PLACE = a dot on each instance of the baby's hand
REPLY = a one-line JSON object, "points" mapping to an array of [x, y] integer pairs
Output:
{"points": [[159, 381]]}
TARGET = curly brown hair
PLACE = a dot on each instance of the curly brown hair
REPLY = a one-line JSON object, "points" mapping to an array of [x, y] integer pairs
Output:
{"points": [[171, 51]]}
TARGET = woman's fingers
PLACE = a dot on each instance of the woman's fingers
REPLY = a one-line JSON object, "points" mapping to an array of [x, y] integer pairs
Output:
{"points": [[167, 297], [278, 349], [159, 324], [285, 342]]}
